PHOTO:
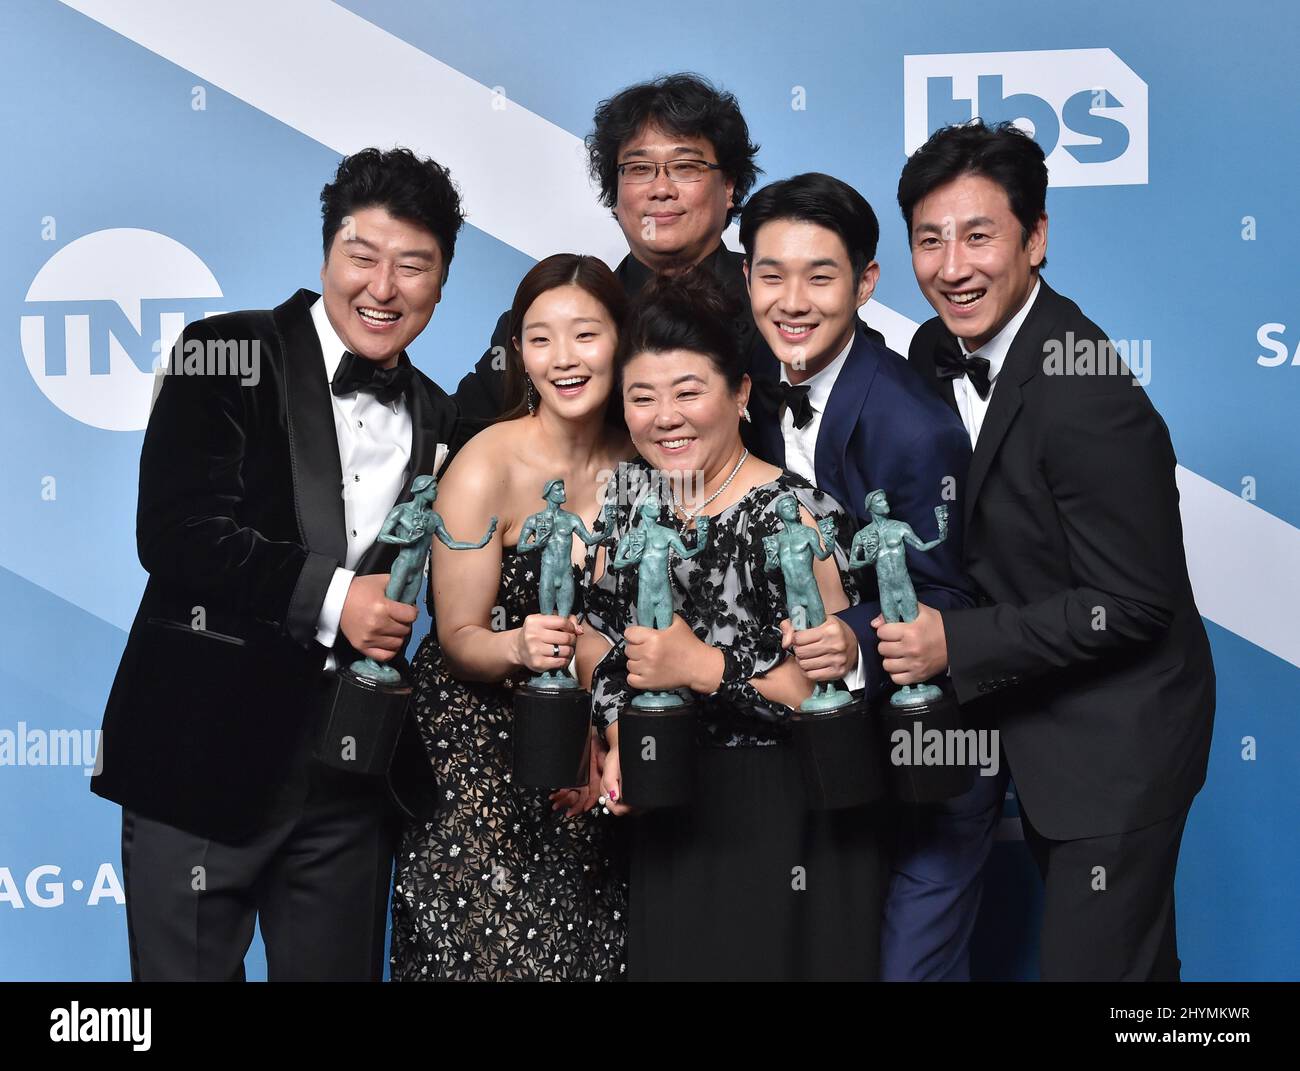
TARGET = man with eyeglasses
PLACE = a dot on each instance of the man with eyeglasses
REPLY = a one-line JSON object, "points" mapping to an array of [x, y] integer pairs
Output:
{"points": [[674, 163]]}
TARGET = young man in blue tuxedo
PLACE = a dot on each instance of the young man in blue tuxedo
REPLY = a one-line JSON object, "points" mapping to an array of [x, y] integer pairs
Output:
{"points": [[852, 416], [1086, 649]]}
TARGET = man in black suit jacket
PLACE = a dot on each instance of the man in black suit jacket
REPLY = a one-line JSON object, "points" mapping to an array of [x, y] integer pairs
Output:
{"points": [[674, 163], [263, 482], [1087, 650]]}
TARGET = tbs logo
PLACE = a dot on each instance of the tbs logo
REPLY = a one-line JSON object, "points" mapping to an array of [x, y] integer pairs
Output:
{"points": [[1084, 106]]}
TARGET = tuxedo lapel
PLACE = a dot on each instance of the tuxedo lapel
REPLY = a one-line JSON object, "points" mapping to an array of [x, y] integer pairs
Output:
{"points": [[843, 408], [1024, 359], [313, 442]]}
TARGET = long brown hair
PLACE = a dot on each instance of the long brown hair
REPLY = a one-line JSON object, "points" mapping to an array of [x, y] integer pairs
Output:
{"points": [[562, 269]]}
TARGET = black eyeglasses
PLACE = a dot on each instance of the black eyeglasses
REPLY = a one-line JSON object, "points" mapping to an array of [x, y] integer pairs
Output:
{"points": [[642, 171]]}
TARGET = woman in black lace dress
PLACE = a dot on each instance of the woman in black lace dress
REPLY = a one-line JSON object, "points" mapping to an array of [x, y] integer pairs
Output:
{"points": [[510, 883], [745, 883]]}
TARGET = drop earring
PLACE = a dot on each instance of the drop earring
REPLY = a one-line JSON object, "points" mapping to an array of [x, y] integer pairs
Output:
{"points": [[531, 393]]}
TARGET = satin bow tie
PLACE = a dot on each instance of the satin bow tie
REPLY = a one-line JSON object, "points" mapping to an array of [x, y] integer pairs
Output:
{"points": [[796, 400], [951, 363], [358, 374]]}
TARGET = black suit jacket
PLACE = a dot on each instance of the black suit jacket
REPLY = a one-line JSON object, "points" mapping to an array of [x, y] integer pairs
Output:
{"points": [[1087, 630], [884, 428], [240, 525], [480, 396]]}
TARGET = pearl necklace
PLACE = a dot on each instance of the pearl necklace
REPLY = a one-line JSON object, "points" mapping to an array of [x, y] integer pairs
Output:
{"points": [[689, 514]]}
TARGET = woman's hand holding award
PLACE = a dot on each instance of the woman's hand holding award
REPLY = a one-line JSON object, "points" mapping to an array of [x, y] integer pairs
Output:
{"points": [[552, 712], [657, 729]]}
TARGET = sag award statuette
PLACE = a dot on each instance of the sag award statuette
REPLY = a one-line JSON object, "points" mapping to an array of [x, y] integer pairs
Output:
{"points": [[657, 730], [838, 751], [369, 698], [552, 713], [914, 707]]}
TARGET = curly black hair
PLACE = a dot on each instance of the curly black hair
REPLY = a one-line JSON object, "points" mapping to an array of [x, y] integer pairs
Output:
{"points": [[406, 186], [684, 104]]}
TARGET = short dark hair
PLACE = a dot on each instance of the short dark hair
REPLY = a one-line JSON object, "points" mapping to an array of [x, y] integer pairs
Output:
{"points": [[684, 104], [560, 269], [1002, 153], [821, 199], [688, 311], [404, 185]]}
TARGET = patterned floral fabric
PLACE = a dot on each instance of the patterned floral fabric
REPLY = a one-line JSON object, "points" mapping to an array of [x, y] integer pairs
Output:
{"points": [[501, 887], [723, 594]]}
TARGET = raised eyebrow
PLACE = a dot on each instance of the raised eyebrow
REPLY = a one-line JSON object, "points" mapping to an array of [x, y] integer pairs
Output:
{"points": [[685, 378]]}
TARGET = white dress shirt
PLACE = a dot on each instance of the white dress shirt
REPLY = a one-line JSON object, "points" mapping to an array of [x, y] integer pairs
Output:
{"points": [[970, 405], [801, 447], [801, 443], [375, 455]]}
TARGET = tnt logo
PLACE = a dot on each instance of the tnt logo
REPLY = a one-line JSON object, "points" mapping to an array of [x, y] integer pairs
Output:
{"points": [[1084, 106], [100, 319]]}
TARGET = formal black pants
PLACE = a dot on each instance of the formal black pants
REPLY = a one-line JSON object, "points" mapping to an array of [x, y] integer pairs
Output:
{"points": [[317, 875], [1108, 906]]}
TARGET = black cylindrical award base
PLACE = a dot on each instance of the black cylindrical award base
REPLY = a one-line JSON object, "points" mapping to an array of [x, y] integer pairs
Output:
{"points": [[913, 777], [360, 724], [656, 752], [552, 737], [839, 752]]}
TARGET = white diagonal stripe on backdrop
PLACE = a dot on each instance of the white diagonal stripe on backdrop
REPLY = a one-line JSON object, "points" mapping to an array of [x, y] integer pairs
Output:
{"points": [[274, 56]]}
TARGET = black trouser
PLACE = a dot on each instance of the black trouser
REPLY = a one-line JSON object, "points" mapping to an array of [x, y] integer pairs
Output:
{"points": [[1108, 907], [317, 874]]}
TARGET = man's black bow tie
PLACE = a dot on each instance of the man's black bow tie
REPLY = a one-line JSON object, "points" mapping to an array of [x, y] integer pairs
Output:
{"points": [[796, 400], [951, 363], [358, 374]]}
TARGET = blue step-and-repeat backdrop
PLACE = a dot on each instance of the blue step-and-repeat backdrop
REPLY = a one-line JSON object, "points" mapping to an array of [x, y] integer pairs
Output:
{"points": [[164, 163]]}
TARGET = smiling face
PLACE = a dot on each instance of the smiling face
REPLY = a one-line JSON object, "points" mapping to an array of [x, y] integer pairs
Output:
{"points": [[381, 282], [969, 258], [567, 344], [672, 225], [680, 413], [803, 293]]}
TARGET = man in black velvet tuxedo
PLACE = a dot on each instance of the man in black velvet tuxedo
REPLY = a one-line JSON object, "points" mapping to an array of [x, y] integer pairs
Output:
{"points": [[260, 499], [674, 163], [1086, 650]]}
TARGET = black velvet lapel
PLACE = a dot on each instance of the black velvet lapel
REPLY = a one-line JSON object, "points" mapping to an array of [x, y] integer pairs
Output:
{"points": [[313, 442]]}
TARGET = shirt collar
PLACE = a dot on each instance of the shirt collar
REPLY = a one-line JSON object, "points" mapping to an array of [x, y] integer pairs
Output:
{"points": [[331, 346], [995, 349], [821, 384]]}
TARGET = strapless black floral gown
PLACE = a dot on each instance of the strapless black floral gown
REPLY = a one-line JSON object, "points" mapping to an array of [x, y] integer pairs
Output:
{"points": [[500, 887]]}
